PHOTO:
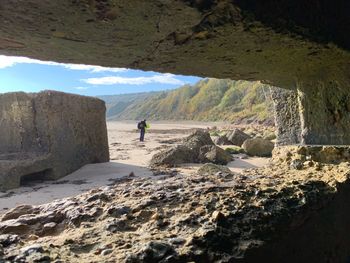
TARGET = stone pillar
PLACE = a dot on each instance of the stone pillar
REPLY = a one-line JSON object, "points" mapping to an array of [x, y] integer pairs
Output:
{"points": [[287, 117], [316, 113], [325, 113]]}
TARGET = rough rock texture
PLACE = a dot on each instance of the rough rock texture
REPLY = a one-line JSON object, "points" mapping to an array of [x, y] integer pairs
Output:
{"points": [[310, 154], [198, 139], [222, 140], [237, 137], [196, 148], [213, 169], [269, 135], [289, 44], [224, 39], [259, 216], [176, 155], [258, 147], [214, 154], [287, 116], [312, 116], [49, 135], [325, 112]]}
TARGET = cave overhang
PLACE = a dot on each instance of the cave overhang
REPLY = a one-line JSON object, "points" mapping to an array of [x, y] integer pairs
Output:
{"points": [[293, 45]]}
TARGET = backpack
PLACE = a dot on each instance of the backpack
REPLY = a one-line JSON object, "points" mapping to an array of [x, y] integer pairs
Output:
{"points": [[140, 125]]}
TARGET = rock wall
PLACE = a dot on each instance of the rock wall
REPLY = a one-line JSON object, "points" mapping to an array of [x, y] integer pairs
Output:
{"points": [[316, 113], [317, 235], [51, 133], [287, 117], [325, 112], [310, 154]]}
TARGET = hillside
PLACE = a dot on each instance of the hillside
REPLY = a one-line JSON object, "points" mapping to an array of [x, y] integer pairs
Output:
{"points": [[207, 100], [118, 104]]}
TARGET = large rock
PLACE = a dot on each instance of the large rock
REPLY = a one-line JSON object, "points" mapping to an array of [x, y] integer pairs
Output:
{"points": [[222, 140], [173, 156], [196, 148], [213, 169], [49, 135], [237, 137], [198, 139], [214, 154], [258, 147]]}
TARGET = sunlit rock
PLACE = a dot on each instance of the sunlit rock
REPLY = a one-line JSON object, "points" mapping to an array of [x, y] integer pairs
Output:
{"points": [[48, 135]]}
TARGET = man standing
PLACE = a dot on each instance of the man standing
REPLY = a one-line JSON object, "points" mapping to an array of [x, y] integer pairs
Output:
{"points": [[142, 125]]}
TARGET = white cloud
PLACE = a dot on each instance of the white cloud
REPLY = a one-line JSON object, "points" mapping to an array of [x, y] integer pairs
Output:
{"points": [[92, 68], [81, 88], [160, 78], [6, 62]]}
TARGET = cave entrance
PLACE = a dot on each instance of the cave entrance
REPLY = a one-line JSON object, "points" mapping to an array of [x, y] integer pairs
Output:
{"points": [[35, 178]]}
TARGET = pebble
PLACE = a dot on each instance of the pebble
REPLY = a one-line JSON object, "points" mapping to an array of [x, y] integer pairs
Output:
{"points": [[106, 252], [217, 216], [36, 248], [117, 211], [7, 240], [177, 241], [296, 164]]}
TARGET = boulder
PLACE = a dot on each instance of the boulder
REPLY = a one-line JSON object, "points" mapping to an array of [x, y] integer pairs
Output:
{"points": [[198, 139], [222, 140], [234, 150], [196, 148], [269, 135], [258, 147], [48, 135], [173, 156], [237, 137], [214, 154], [213, 169]]}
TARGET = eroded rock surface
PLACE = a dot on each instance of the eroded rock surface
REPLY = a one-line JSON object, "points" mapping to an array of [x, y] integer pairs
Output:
{"points": [[196, 148], [237, 137], [258, 147], [261, 215], [222, 140], [313, 116], [48, 135], [224, 39]]}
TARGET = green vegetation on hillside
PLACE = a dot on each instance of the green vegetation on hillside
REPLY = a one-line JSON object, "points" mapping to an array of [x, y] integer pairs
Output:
{"points": [[117, 104], [207, 100]]}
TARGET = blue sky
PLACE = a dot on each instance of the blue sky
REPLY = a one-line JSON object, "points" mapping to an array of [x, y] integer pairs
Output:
{"points": [[24, 74]]}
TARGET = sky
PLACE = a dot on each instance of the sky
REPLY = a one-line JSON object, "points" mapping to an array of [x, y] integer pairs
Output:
{"points": [[29, 75]]}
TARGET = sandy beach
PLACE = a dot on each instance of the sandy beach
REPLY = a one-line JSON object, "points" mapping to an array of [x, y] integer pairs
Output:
{"points": [[128, 156]]}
